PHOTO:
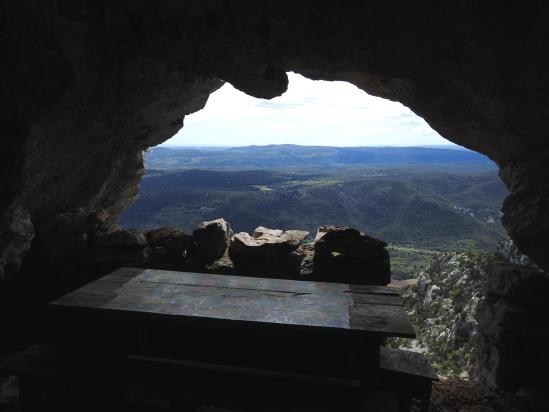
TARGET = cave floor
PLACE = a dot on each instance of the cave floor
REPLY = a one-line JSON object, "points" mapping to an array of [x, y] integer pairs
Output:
{"points": [[449, 395], [460, 395]]}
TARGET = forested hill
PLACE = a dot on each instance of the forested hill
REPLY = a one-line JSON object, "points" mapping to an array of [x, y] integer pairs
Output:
{"points": [[294, 157], [410, 207]]}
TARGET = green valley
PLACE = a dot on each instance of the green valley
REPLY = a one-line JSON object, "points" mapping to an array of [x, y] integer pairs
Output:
{"points": [[420, 209]]}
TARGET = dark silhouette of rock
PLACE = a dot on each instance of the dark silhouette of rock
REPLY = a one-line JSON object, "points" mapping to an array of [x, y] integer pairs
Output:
{"points": [[512, 334], [268, 252], [212, 239], [16, 235], [120, 247], [69, 222], [122, 239], [59, 247], [510, 252], [169, 248], [222, 266], [173, 240], [343, 254], [307, 250]]}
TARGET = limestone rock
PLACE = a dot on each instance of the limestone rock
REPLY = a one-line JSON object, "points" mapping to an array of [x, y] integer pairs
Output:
{"points": [[122, 239], [59, 247], [348, 241], [173, 240], [120, 256], [511, 327], [69, 222], [344, 254], [268, 252], [264, 239], [16, 235], [261, 231], [306, 271], [443, 305], [510, 252], [212, 239], [522, 285], [222, 266]]}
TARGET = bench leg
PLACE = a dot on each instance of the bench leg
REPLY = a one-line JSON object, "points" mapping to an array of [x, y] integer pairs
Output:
{"points": [[366, 368], [426, 400]]}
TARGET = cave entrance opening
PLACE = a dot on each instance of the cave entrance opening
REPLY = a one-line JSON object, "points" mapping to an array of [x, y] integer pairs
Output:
{"points": [[323, 153]]}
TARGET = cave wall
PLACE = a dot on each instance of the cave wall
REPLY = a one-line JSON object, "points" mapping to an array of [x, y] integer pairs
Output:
{"points": [[87, 85]]}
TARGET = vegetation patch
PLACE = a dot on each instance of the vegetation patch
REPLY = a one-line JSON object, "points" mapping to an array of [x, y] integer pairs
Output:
{"points": [[443, 306]]}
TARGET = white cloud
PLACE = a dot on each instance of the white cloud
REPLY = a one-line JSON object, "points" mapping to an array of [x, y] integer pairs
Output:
{"points": [[309, 113]]}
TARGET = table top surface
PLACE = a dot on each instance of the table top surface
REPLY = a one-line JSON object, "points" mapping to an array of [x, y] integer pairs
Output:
{"points": [[360, 308]]}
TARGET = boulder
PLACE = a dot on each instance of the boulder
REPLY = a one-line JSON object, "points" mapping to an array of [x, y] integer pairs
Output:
{"points": [[122, 239], [119, 248], [510, 252], [348, 241], [211, 240], [512, 330], [119, 256], [222, 266], [172, 240], [344, 254], [306, 271], [267, 252], [265, 241], [59, 247], [16, 235], [69, 222]]}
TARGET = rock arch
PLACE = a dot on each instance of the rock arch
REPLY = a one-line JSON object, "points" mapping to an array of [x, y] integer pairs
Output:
{"points": [[91, 84]]}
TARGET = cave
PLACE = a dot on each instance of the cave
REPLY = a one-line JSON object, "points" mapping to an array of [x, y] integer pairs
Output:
{"points": [[88, 86]]}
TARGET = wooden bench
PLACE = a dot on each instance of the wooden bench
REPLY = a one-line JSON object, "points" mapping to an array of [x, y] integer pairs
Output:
{"points": [[409, 373], [65, 379]]}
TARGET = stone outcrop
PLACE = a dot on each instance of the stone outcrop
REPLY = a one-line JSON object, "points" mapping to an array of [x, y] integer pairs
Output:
{"points": [[443, 307], [512, 337], [169, 248], [211, 239], [123, 239], [173, 240], [16, 235], [509, 251], [344, 254], [338, 254], [267, 252]]}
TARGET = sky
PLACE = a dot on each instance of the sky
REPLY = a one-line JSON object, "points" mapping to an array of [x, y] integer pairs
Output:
{"points": [[316, 113]]}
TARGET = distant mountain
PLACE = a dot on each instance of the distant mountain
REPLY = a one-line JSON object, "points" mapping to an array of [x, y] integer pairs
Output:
{"points": [[312, 157]]}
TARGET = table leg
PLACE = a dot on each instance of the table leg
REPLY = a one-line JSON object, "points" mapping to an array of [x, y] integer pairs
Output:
{"points": [[365, 368]]}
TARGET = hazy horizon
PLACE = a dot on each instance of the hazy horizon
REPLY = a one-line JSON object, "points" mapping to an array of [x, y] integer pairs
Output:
{"points": [[434, 146]]}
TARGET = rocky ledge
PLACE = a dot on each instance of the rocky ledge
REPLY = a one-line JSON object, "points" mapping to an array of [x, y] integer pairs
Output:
{"points": [[483, 315], [336, 254]]}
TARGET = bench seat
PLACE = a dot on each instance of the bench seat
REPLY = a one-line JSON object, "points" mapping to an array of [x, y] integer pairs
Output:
{"points": [[409, 374], [42, 370]]}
